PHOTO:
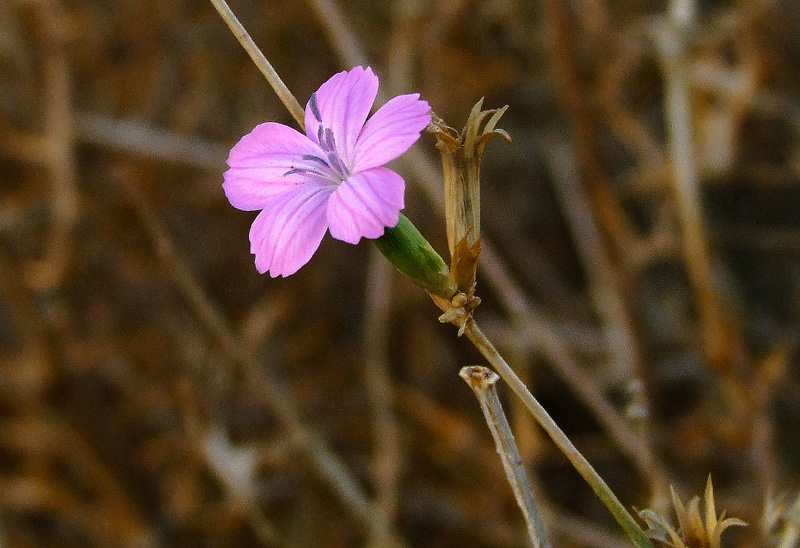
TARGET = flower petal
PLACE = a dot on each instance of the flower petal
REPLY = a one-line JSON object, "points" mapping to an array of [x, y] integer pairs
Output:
{"points": [[342, 105], [262, 164], [391, 131], [287, 233], [365, 203]]}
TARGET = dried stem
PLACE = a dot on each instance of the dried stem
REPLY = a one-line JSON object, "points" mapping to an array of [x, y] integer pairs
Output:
{"points": [[570, 93], [339, 34], [791, 530], [551, 346], [609, 293], [579, 462], [223, 462], [606, 293], [139, 138], [721, 344], [456, 433], [283, 93], [483, 382], [58, 144], [120, 135]]}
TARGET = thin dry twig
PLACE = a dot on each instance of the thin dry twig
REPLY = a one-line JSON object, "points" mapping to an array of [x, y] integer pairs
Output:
{"points": [[234, 468], [50, 438], [722, 344], [569, 92], [623, 341], [142, 139], [483, 382], [58, 144], [403, 45], [24, 146], [579, 462], [529, 438], [459, 435], [132, 137], [605, 289], [590, 247], [283, 93], [340, 36], [230, 465], [770, 372], [27, 375]]}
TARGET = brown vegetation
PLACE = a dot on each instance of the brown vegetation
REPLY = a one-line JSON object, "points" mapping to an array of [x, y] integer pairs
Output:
{"points": [[640, 269]]}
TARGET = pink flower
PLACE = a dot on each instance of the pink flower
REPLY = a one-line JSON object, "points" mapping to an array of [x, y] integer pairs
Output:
{"points": [[331, 178]]}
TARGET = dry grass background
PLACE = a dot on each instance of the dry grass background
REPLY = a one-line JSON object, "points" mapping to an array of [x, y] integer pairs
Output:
{"points": [[156, 391]]}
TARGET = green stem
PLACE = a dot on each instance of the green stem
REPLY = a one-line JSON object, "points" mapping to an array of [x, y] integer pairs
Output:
{"points": [[603, 491]]}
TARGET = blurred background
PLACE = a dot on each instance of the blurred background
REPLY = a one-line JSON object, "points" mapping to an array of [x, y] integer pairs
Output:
{"points": [[640, 271]]}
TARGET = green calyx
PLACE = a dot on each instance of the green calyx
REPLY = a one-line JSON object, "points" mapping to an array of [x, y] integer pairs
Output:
{"points": [[409, 251]]}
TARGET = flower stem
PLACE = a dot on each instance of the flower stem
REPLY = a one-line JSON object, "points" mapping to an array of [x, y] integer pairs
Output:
{"points": [[579, 462], [283, 93]]}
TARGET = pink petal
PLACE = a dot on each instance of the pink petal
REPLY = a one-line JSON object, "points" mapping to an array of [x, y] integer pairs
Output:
{"points": [[259, 163], [391, 131], [364, 204], [287, 233], [343, 104]]}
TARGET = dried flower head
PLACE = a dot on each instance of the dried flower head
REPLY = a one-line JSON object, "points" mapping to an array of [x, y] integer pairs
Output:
{"points": [[461, 166], [461, 163], [331, 178], [691, 532]]}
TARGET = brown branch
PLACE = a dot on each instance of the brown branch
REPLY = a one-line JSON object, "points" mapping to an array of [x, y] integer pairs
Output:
{"points": [[58, 144]]}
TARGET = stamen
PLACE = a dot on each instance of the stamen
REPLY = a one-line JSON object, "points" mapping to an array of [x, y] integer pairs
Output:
{"points": [[315, 107], [321, 173], [329, 140], [320, 135], [312, 158], [336, 163]]}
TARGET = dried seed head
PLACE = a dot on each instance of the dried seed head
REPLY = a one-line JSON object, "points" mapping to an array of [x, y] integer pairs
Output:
{"points": [[691, 532]]}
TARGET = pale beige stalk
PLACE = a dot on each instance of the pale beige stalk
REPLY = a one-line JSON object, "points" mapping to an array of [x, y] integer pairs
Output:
{"points": [[483, 382], [579, 462], [283, 93]]}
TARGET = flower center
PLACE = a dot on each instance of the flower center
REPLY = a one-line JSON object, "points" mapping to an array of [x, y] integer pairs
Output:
{"points": [[331, 167], [328, 145]]}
